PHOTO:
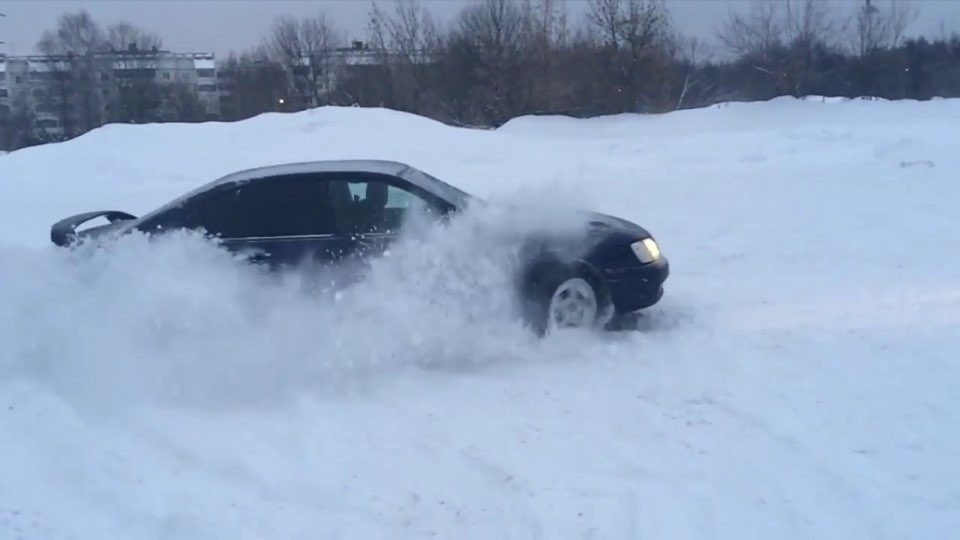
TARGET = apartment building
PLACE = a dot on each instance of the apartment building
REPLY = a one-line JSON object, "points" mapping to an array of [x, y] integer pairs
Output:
{"points": [[72, 94], [182, 79], [69, 95]]}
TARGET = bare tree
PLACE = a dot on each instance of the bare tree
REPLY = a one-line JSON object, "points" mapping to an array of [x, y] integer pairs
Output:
{"points": [[19, 127], [183, 103], [123, 36], [76, 33], [306, 49], [630, 24], [812, 32], [136, 93], [785, 41], [690, 56], [547, 34], [72, 84], [404, 42], [778, 23], [755, 34], [635, 36], [252, 83], [875, 28], [548, 20], [409, 33], [494, 31], [808, 22]]}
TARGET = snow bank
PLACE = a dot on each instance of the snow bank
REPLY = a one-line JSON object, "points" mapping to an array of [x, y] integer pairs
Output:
{"points": [[796, 381]]}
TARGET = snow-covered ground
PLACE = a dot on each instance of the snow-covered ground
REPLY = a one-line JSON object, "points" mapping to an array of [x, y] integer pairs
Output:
{"points": [[799, 379]]}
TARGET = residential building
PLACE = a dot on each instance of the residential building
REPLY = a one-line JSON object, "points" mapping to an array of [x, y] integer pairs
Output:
{"points": [[181, 79], [69, 95], [4, 88], [72, 94]]}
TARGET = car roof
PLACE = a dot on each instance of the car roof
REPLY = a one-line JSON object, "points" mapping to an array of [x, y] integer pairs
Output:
{"points": [[398, 169], [375, 166]]}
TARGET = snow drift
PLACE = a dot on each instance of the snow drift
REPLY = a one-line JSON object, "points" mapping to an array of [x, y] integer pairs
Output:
{"points": [[795, 382]]}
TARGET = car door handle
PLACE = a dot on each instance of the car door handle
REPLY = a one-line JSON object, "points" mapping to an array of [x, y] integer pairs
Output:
{"points": [[257, 256], [371, 245]]}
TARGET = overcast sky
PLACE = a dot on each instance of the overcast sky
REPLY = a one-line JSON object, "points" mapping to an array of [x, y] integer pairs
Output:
{"points": [[220, 26]]}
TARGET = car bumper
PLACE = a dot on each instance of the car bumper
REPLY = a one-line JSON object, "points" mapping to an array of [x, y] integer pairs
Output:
{"points": [[637, 287]]}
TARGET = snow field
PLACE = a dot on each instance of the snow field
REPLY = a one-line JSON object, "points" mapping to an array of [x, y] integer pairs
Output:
{"points": [[797, 381]]}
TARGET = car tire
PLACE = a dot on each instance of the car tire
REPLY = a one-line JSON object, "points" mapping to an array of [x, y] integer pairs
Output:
{"points": [[562, 297]]}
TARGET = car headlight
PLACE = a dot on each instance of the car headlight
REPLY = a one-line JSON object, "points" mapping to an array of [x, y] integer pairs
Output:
{"points": [[646, 250]]}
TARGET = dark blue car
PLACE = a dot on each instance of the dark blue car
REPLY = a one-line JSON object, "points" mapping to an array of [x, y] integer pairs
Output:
{"points": [[344, 211]]}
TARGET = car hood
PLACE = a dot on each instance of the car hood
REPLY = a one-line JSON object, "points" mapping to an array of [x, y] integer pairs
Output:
{"points": [[598, 222], [595, 222]]}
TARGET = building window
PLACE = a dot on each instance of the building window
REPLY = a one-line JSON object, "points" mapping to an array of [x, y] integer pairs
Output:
{"points": [[3, 75], [206, 73], [4, 92], [104, 76], [44, 75], [207, 88]]}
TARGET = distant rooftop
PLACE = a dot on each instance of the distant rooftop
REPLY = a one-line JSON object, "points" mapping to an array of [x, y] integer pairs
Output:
{"points": [[44, 58]]}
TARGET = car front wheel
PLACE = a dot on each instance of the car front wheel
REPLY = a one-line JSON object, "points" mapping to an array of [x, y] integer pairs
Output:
{"points": [[564, 298], [573, 304]]}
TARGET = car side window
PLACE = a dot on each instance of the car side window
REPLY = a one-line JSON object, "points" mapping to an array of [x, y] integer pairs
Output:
{"points": [[378, 207], [269, 208]]}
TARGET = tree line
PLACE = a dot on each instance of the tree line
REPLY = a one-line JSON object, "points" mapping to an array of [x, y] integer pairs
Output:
{"points": [[499, 59]]}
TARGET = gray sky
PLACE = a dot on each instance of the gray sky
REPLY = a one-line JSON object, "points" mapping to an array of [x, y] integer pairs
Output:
{"points": [[224, 25]]}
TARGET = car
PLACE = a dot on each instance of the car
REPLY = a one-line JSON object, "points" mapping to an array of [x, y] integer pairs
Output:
{"points": [[344, 211]]}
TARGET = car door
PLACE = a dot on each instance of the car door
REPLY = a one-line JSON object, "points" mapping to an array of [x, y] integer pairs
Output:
{"points": [[280, 221], [380, 209]]}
